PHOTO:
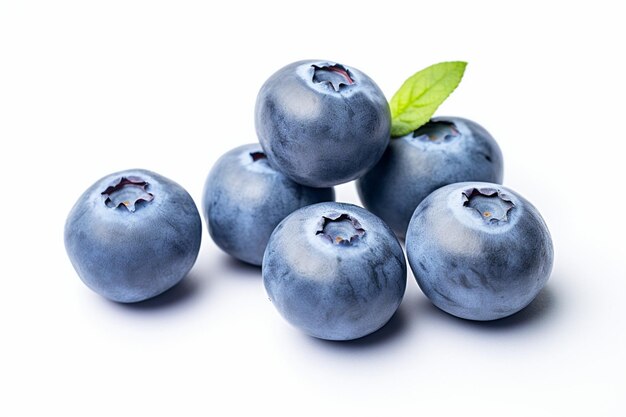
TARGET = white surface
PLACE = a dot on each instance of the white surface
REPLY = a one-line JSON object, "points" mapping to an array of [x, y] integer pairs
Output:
{"points": [[88, 88]]}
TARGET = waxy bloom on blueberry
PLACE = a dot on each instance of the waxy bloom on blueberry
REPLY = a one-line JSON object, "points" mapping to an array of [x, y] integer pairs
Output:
{"points": [[245, 198], [132, 235], [335, 271], [322, 123], [478, 250], [443, 151]]}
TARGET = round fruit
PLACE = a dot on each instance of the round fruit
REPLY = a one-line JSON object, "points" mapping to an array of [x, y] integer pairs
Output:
{"points": [[322, 123], [245, 199], [335, 271], [443, 151], [132, 235], [478, 250]]}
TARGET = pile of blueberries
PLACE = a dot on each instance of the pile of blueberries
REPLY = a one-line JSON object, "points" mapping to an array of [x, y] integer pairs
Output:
{"points": [[337, 271]]}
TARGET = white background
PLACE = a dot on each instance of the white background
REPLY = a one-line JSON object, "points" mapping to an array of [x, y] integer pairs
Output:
{"points": [[89, 88]]}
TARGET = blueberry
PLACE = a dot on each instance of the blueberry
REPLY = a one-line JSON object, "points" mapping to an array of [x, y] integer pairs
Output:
{"points": [[132, 235], [479, 250], [322, 123], [335, 271], [245, 199], [443, 151]]}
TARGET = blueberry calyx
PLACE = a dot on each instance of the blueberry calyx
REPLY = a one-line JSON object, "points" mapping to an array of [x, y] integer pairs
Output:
{"points": [[127, 192], [340, 229], [337, 76], [492, 205], [257, 155], [436, 132]]}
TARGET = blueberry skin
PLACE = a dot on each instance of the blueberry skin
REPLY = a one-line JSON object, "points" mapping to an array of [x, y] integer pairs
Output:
{"points": [[444, 151], [479, 256], [136, 241], [245, 198], [335, 271], [322, 123]]}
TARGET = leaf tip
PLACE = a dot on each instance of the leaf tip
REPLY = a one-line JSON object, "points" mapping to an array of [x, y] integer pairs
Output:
{"points": [[420, 95]]}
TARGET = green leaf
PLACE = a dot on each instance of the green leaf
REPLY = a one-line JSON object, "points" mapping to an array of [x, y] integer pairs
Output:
{"points": [[418, 98]]}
